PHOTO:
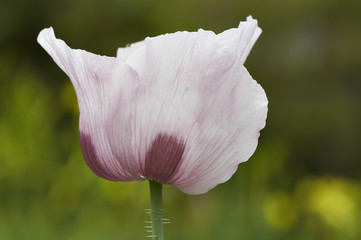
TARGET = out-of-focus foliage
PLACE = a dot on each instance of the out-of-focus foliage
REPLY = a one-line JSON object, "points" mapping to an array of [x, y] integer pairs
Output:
{"points": [[304, 181]]}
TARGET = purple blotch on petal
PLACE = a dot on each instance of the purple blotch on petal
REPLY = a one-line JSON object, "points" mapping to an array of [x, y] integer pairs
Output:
{"points": [[163, 158], [92, 159]]}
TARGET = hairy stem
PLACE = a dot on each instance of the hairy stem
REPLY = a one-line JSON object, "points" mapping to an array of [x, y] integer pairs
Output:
{"points": [[156, 210]]}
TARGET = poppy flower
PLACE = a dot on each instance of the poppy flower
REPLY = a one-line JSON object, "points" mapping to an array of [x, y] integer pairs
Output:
{"points": [[177, 109]]}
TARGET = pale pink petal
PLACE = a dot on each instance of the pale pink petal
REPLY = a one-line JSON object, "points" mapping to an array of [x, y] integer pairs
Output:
{"points": [[241, 39], [166, 98], [178, 108], [196, 101], [227, 133], [124, 53], [104, 87]]}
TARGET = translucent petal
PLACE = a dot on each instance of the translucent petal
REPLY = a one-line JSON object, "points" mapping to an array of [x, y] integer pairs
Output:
{"points": [[179, 108], [241, 39], [104, 87], [193, 86], [226, 135]]}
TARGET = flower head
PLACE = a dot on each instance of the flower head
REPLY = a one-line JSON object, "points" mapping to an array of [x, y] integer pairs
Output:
{"points": [[178, 108]]}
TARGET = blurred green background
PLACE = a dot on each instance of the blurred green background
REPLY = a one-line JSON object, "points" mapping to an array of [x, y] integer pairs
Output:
{"points": [[303, 182]]}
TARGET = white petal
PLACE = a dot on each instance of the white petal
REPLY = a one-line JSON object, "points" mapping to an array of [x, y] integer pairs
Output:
{"points": [[104, 87], [124, 53], [167, 97], [241, 39], [227, 134], [186, 95], [193, 87]]}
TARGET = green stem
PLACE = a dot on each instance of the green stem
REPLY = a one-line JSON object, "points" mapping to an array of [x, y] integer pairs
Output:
{"points": [[156, 210]]}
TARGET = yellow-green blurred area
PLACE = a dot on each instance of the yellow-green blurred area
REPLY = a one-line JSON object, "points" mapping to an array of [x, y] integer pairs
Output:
{"points": [[303, 182]]}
